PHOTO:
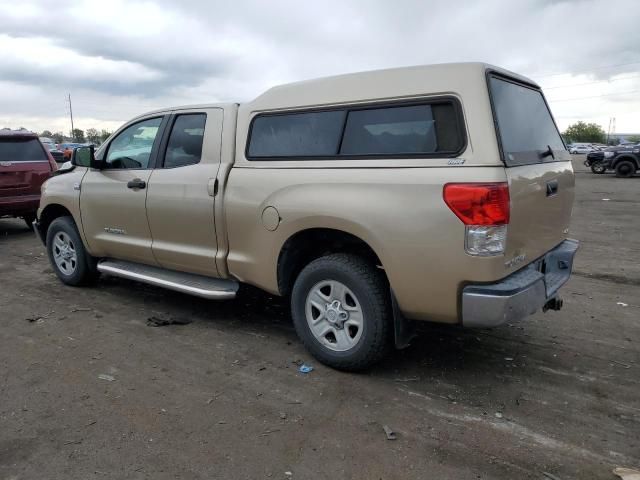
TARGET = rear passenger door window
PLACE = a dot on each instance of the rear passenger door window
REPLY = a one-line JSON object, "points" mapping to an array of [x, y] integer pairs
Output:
{"points": [[185, 141]]}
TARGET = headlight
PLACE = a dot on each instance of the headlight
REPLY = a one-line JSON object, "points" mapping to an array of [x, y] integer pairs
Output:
{"points": [[609, 154]]}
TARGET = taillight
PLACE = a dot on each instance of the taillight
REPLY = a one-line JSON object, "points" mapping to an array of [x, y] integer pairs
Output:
{"points": [[478, 203], [484, 209], [52, 162]]}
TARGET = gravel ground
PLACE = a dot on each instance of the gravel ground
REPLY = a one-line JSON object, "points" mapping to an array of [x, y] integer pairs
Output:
{"points": [[89, 390]]}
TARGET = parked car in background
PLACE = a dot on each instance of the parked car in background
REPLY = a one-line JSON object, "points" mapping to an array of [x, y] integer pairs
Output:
{"points": [[55, 152], [25, 164], [581, 148], [306, 192], [595, 161], [67, 149], [624, 159]]}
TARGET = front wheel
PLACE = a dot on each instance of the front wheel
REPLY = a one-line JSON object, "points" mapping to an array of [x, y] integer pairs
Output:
{"points": [[341, 311], [598, 168], [69, 259]]}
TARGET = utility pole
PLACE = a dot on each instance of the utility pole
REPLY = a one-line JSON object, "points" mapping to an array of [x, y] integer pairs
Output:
{"points": [[609, 130], [613, 126], [71, 115]]}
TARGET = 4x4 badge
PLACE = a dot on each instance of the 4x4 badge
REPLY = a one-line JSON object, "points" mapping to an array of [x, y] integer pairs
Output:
{"points": [[456, 161]]}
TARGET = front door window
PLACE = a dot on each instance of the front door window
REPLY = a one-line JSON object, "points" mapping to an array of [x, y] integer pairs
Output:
{"points": [[132, 147]]}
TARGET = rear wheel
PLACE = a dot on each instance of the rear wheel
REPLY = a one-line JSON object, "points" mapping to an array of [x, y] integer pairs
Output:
{"points": [[625, 169], [68, 257], [341, 311], [598, 168]]}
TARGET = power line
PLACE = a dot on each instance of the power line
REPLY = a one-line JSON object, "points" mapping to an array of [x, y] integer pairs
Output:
{"points": [[591, 83], [592, 96], [602, 67]]}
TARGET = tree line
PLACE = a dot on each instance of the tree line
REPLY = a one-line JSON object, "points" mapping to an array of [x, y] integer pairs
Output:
{"points": [[79, 136], [592, 133]]}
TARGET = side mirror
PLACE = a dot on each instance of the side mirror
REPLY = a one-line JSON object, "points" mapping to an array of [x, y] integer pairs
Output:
{"points": [[85, 157]]}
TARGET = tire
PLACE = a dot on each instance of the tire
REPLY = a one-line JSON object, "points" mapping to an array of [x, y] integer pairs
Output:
{"points": [[69, 259], [625, 169], [29, 219], [355, 341], [598, 169]]}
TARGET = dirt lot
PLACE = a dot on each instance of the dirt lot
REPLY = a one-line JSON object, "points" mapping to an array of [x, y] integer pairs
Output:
{"points": [[88, 390]]}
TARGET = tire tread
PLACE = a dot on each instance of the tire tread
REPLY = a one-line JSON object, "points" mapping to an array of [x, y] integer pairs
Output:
{"points": [[377, 285], [86, 273]]}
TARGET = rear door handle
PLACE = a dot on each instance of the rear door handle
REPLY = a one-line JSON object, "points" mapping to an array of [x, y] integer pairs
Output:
{"points": [[136, 183], [552, 188]]}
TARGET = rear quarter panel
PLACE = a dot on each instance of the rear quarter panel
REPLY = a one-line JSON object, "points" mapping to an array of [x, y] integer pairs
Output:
{"points": [[398, 212], [394, 205]]}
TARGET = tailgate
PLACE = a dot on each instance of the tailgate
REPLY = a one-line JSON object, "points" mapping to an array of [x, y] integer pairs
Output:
{"points": [[23, 178], [541, 200], [24, 165], [538, 169]]}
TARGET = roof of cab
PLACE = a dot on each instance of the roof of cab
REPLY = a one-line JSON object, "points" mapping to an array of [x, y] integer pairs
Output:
{"points": [[388, 83], [7, 132], [197, 106]]}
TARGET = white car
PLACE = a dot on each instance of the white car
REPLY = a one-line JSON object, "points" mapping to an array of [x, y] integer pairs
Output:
{"points": [[581, 149]]}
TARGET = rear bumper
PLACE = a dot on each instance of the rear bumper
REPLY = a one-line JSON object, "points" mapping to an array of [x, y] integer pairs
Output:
{"points": [[19, 205], [520, 294]]}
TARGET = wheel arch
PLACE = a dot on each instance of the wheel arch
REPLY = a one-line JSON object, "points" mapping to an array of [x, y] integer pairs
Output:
{"points": [[48, 215], [309, 244], [306, 245], [629, 157]]}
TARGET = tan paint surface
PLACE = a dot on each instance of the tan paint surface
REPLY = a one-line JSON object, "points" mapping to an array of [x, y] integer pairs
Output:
{"points": [[398, 212], [107, 202], [180, 207], [60, 190]]}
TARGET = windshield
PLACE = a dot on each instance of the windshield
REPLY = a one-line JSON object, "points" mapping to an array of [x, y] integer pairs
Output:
{"points": [[525, 125], [21, 150]]}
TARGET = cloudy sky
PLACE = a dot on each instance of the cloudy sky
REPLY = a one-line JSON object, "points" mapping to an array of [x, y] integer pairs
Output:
{"points": [[120, 58]]}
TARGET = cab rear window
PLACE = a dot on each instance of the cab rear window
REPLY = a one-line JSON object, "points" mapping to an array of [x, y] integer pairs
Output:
{"points": [[432, 129], [526, 129], [18, 149]]}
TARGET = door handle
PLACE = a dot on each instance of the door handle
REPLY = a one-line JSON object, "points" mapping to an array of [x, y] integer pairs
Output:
{"points": [[552, 188], [136, 183], [212, 187]]}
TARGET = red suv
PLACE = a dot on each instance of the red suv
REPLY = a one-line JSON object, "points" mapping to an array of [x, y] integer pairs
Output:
{"points": [[24, 166]]}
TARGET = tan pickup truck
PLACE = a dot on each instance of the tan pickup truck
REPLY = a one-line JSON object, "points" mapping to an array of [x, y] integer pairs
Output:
{"points": [[439, 193]]}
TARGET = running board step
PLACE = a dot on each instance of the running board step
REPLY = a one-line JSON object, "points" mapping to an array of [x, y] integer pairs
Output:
{"points": [[198, 285]]}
